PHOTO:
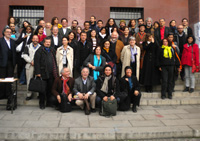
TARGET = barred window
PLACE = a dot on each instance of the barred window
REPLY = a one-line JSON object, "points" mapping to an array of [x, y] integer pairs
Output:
{"points": [[119, 13], [30, 13]]}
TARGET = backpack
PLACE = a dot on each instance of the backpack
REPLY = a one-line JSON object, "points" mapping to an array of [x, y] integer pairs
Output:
{"points": [[65, 105], [109, 108]]}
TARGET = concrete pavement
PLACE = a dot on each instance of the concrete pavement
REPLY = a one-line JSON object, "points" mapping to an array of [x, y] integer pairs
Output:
{"points": [[150, 122]]}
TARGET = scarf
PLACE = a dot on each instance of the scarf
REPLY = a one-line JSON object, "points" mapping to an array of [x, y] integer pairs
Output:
{"points": [[104, 87], [47, 49], [133, 53], [102, 35], [97, 63], [66, 88], [106, 49], [167, 52]]}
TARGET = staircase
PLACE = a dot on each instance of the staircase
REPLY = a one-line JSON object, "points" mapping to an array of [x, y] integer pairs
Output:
{"points": [[148, 99]]}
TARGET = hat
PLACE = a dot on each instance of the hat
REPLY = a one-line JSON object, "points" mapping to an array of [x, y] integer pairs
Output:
{"points": [[122, 21]]}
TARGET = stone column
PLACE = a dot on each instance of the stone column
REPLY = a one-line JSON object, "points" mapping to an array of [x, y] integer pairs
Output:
{"points": [[76, 11]]}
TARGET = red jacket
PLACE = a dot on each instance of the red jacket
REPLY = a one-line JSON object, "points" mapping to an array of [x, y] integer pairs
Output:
{"points": [[187, 55]]}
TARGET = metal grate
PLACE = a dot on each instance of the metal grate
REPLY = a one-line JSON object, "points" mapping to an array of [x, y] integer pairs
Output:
{"points": [[119, 13], [30, 13]]}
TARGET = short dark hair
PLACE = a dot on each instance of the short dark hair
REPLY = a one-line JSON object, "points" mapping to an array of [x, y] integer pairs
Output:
{"points": [[70, 33], [184, 19], [169, 43], [75, 21], [64, 19], [64, 37], [47, 38], [170, 33], [5, 30], [140, 19], [100, 21], [171, 22], [86, 22], [162, 19], [93, 16], [83, 32]]}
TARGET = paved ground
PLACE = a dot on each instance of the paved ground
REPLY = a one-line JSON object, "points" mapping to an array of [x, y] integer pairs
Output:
{"points": [[150, 122]]}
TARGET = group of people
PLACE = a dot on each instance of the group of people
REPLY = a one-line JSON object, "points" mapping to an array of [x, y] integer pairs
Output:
{"points": [[98, 62]]}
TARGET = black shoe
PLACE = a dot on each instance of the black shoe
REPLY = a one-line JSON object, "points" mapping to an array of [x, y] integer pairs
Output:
{"points": [[134, 109], [170, 97], [186, 89], [93, 110], [87, 112], [8, 107], [163, 97], [28, 98], [191, 90], [42, 107]]}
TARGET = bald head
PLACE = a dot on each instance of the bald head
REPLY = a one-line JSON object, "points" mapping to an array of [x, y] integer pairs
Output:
{"points": [[180, 29], [114, 35]]}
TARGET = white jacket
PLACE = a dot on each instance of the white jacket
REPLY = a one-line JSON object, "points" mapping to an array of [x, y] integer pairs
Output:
{"points": [[30, 56], [70, 58]]}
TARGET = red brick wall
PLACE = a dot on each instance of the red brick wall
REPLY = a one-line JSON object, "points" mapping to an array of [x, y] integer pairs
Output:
{"points": [[194, 15]]}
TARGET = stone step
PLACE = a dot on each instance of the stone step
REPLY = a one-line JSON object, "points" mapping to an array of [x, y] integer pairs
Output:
{"points": [[168, 133], [174, 101]]}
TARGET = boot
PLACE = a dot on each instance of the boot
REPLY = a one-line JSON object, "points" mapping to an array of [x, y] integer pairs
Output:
{"points": [[134, 109], [87, 107]]}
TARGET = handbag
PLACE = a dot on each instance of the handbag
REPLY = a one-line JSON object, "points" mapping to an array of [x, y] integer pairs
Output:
{"points": [[37, 85], [109, 108], [19, 47], [65, 105], [194, 67]]}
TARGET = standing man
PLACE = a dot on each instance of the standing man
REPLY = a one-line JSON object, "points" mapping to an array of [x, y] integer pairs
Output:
{"points": [[117, 46], [7, 64], [83, 50], [93, 22], [84, 88], [186, 28], [87, 29], [99, 25], [162, 32], [64, 31], [46, 68], [47, 31], [74, 25], [56, 40], [140, 22], [28, 56], [15, 34], [149, 28]]}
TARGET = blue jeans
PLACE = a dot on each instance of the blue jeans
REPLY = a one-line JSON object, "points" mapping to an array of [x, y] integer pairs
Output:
{"points": [[23, 77]]}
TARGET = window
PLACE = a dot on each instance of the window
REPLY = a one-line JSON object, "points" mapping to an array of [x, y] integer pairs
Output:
{"points": [[126, 14], [30, 13]]}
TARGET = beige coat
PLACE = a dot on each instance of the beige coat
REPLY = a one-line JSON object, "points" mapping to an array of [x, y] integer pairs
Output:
{"points": [[70, 58], [126, 59]]}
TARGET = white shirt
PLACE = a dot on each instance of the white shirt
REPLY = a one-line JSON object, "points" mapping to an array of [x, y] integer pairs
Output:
{"points": [[55, 39], [64, 30], [8, 42]]}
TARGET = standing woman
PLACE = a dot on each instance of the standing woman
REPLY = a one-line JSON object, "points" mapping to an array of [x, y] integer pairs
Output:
{"points": [[65, 56], [72, 42], [40, 33], [172, 25], [11, 20], [132, 27], [166, 61], [156, 25], [94, 40], [78, 32], [23, 40], [54, 21], [150, 74], [190, 54], [102, 36], [124, 38], [130, 56], [110, 25], [95, 62], [24, 25]]}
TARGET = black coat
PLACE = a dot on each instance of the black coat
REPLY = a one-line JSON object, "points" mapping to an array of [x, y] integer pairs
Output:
{"points": [[158, 36], [110, 56], [52, 42], [162, 61], [82, 52], [122, 38], [150, 74], [124, 85], [40, 62], [113, 87], [4, 52], [61, 33], [180, 41], [74, 45]]}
